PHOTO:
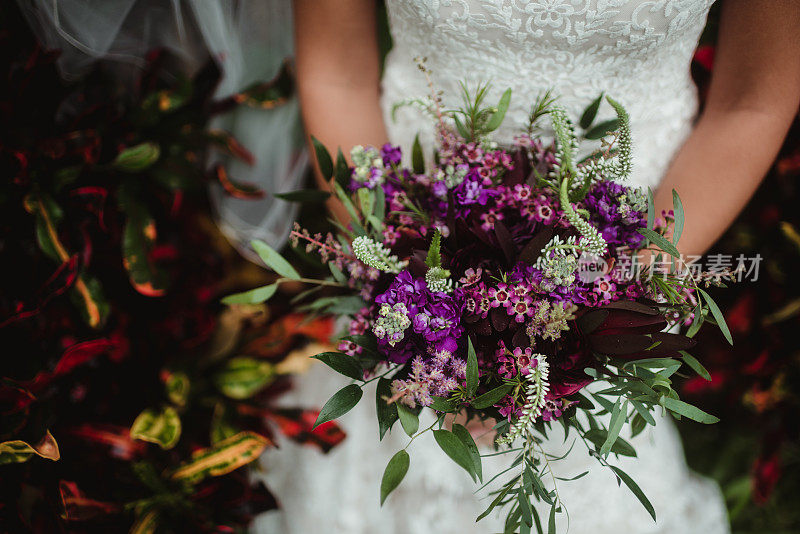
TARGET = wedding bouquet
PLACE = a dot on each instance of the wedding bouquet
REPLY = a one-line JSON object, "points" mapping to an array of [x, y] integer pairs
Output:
{"points": [[501, 282]]}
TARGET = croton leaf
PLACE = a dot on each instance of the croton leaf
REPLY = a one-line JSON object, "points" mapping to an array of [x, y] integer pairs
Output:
{"points": [[87, 291], [78, 507], [177, 386], [17, 451], [226, 456], [270, 94], [230, 144], [162, 427], [138, 239], [298, 425], [146, 522], [137, 158], [234, 189], [243, 377]]}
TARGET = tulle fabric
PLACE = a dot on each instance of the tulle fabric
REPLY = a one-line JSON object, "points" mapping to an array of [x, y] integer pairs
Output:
{"points": [[249, 40]]}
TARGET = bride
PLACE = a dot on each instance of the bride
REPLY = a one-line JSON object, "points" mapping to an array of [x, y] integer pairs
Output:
{"points": [[637, 51]]}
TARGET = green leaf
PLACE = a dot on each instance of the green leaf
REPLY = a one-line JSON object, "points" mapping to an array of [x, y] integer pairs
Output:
{"points": [[603, 129], [177, 387], [138, 239], [696, 366], [137, 158], [644, 412], [651, 209], [160, 427], [342, 402], [463, 434], [304, 195], [455, 449], [408, 419], [243, 377], [387, 413], [323, 158], [618, 416], [342, 171], [395, 471], [551, 521], [491, 397], [443, 404], [274, 260], [502, 107], [687, 410], [417, 159], [472, 368], [525, 507], [660, 241], [500, 496], [434, 257], [254, 296], [677, 209], [222, 458], [591, 113], [18, 451], [718, 317], [636, 490], [598, 437], [342, 363]]}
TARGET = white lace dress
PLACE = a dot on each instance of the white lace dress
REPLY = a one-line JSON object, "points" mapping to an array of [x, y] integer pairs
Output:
{"points": [[638, 51]]}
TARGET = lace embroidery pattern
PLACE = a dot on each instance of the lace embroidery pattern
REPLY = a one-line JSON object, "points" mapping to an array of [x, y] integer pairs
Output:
{"points": [[638, 51]]}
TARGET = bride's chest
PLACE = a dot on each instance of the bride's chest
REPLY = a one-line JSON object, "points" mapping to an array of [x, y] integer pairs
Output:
{"points": [[558, 24]]}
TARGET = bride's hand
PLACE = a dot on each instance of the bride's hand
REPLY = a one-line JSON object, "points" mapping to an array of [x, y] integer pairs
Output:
{"points": [[481, 431]]}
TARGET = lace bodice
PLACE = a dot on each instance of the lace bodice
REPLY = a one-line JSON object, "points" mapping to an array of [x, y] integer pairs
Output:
{"points": [[638, 51]]}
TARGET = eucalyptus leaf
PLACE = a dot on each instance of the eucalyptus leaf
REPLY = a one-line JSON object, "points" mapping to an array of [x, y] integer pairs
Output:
{"points": [[660, 241], [387, 413], [408, 419], [696, 366], [417, 158], [254, 296], [677, 209], [395, 471], [341, 363], [342, 171], [590, 113], [603, 129], [687, 410], [636, 490], [342, 402], [464, 435], [472, 368], [491, 397], [455, 449], [717, 314], [323, 158], [274, 260], [502, 107], [618, 416]]}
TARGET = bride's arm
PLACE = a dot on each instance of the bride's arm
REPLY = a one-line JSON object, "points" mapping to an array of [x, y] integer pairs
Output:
{"points": [[754, 95], [338, 73]]}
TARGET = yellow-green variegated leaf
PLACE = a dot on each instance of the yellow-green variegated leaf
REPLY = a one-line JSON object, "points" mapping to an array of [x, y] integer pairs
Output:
{"points": [[177, 387], [162, 427], [243, 377], [226, 456], [146, 522], [137, 158], [18, 451]]}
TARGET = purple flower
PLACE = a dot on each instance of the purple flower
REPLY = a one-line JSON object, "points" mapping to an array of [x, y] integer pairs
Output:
{"points": [[391, 155]]}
